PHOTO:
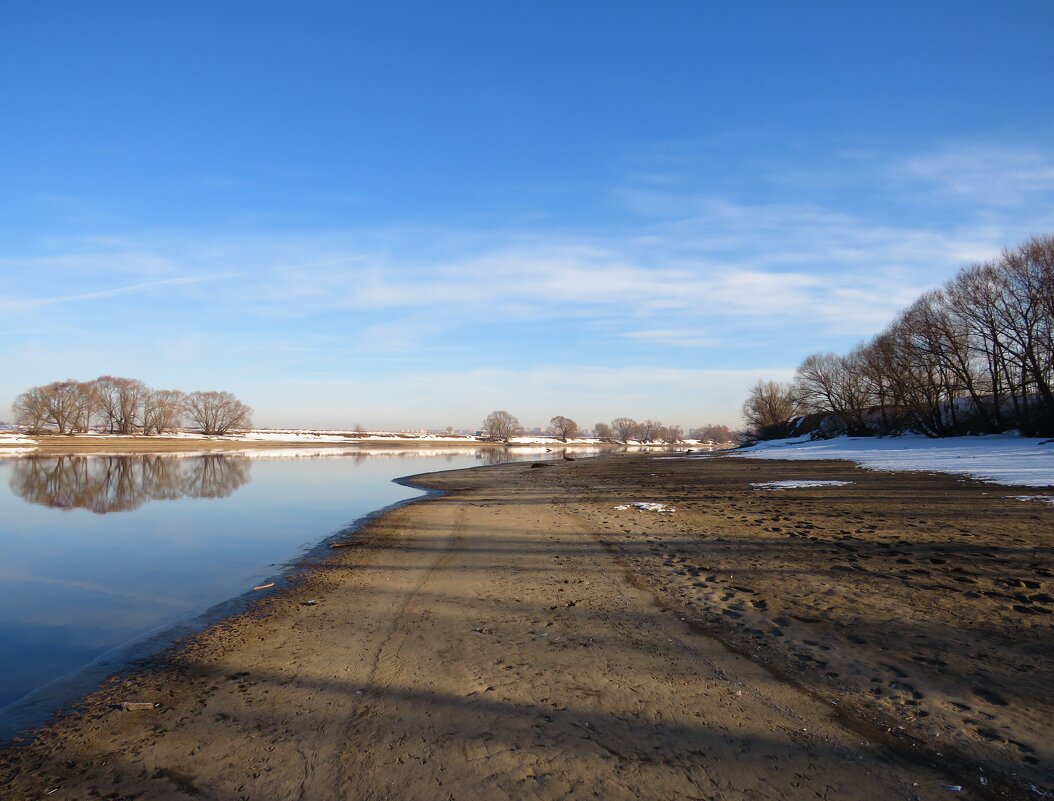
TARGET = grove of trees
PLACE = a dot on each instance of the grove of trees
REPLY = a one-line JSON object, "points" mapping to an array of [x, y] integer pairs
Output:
{"points": [[973, 356], [502, 426], [713, 433], [624, 429], [126, 406]]}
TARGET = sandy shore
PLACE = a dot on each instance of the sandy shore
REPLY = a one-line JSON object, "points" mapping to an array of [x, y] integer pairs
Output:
{"points": [[523, 638]]}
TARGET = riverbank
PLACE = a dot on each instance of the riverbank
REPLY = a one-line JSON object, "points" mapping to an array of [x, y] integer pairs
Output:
{"points": [[524, 637], [260, 442]]}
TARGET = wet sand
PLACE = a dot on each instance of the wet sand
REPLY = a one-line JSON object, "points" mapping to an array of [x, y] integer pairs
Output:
{"points": [[522, 638]]}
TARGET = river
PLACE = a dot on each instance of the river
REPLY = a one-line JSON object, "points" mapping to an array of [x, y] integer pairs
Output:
{"points": [[106, 559]]}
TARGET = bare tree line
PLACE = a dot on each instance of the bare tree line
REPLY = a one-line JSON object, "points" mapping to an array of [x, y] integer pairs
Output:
{"points": [[626, 429], [126, 406], [502, 426], [973, 356]]}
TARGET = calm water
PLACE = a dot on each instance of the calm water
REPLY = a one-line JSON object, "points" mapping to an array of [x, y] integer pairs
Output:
{"points": [[104, 559]]}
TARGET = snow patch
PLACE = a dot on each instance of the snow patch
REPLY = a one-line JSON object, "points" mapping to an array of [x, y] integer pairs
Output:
{"points": [[997, 458], [1041, 498], [647, 506], [797, 484], [15, 438]]}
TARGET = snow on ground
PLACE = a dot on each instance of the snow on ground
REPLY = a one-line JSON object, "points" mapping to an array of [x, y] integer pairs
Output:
{"points": [[998, 458], [796, 484], [15, 438], [646, 506], [13, 443], [1041, 498]]}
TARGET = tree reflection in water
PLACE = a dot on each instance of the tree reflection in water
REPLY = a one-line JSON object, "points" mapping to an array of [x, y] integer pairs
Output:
{"points": [[122, 483], [494, 455]]}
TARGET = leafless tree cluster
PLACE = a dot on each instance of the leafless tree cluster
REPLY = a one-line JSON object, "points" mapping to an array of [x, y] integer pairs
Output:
{"points": [[975, 355], [769, 404], [603, 431], [625, 429], [126, 406], [713, 433], [217, 412]]}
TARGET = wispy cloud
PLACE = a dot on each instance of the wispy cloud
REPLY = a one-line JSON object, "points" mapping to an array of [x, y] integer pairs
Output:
{"points": [[983, 173], [675, 337], [705, 269], [687, 276], [16, 304]]}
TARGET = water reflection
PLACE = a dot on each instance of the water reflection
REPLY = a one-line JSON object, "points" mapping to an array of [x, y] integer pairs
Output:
{"points": [[106, 484]]}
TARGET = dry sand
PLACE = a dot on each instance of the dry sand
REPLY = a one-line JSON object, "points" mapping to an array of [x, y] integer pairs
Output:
{"points": [[521, 638]]}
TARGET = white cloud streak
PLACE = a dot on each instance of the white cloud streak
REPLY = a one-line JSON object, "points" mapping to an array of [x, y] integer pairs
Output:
{"points": [[16, 304], [983, 173], [693, 275]]}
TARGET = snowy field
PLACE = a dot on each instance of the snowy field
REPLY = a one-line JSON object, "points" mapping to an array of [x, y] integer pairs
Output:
{"points": [[999, 459]]}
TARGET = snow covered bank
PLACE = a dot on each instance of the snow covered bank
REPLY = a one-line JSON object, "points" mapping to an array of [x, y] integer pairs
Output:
{"points": [[999, 459], [12, 443]]}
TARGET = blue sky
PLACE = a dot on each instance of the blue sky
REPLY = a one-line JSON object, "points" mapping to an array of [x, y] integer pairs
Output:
{"points": [[409, 214]]}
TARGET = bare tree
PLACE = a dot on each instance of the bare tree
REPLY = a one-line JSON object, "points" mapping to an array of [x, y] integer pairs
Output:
{"points": [[712, 433], [563, 427], [816, 383], [671, 435], [131, 401], [31, 409], [121, 403], [648, 430], [973, 296], [769, 404], [625, 428], [64, 402], [87, 406], [830, 384], [217, 413], [108, 396], [163, 411], [603, 431], [502, 426], [1027, 312]]}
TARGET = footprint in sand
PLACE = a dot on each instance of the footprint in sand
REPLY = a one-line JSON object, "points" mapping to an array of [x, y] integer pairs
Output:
{"points": [[988, 695]]}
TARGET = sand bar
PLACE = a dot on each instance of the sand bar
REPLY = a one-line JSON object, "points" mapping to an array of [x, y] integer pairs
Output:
{"points": [[522, 638]]}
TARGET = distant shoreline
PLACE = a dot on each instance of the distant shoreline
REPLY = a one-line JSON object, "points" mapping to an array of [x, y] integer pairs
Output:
{"points": [[131, 444], [13, 444]]}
